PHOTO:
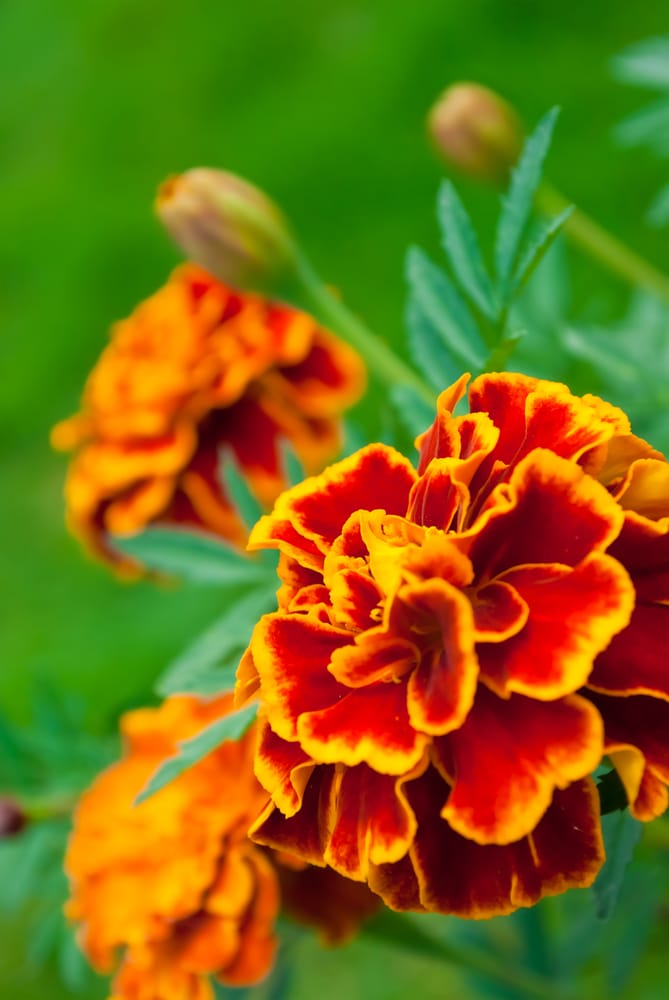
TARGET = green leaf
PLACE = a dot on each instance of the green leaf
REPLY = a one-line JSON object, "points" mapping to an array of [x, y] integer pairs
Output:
{"points": [[646, 127], [209, 664], [462, 249], [536, 248], [645, 63], [236, 487], [621, 835], [291, 463], [414, 413], [612, 794], [443, 336], [231, 727], [657, 215], [198, 558], [517, 204]]}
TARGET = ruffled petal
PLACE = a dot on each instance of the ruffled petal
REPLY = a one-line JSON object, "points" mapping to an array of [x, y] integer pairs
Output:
{"points": [[291, 654], [572, 615], [507, 759], [457, 876], [636, 660]]}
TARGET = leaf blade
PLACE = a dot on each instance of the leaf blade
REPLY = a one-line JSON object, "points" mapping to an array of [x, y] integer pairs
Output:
{"points": [[517, 203], [192, 556], [192, 751], [461, 245]]}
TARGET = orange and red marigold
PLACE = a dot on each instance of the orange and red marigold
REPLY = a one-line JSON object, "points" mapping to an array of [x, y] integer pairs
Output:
{"points": [[174, 883], [457, 646], [197, 368]]}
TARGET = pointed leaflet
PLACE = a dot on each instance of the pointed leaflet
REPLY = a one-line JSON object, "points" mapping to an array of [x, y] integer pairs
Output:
{"points": [[621, 835], [462, 249], [536, 248], [236, 487], [195, 557], [450, 336], [517, 203], [230, 727], [645, 63], [413, 412], [209, 664]]}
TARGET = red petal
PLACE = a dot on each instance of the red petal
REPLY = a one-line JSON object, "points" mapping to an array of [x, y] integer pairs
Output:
{"points": [[643, 549], [641, 725], [499, 612], [636, 660], [370, 822], [305, 833], [510, 756], [291, 654], [460, 877], [549, 511], [282, 768], [441, 689], [573, 615], [369, 725], [441, 440]]}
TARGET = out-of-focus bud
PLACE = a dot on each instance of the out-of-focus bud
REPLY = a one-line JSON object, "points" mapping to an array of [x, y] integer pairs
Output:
{"points": [[12, 818], [229, 227], [476, 131]]}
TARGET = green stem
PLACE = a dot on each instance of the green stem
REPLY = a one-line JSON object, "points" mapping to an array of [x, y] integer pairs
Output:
{"points": [[397, 930], [600, 244], [381, 360]]}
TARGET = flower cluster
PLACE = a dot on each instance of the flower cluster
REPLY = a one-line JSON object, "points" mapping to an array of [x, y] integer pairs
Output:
{"points": [[174, 881], [196, 369], [457, 646]]}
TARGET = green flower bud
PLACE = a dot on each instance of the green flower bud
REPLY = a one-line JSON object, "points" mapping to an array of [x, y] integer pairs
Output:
{"points": [[230, 228], [476, 131]]}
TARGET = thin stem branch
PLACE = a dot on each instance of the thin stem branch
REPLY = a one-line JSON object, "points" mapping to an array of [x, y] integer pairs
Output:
{"points": [[602, 246], [381, 360]]}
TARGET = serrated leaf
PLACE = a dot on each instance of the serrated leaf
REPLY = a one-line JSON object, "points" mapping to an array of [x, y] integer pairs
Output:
{"points": [[413, 412], [197, 558], [517, 203], [443, 336], [657, 215], [645, 63], [537, 247], [236, 487], [209, 664], [460, 243], [621, 835], [645, 127], [291, 463], [231, 727]]}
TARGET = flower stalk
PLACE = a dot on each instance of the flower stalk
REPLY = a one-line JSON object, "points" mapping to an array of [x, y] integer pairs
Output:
{"points": [[602, 246], [311, 293]]}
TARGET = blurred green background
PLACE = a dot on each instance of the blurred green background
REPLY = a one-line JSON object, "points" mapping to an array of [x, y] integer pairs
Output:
{"points": [[322, 105]]}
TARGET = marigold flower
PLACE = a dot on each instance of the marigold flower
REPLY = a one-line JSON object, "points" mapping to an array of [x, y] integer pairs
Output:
{"points": [[174, 882], [457, 646], [199, 367]]}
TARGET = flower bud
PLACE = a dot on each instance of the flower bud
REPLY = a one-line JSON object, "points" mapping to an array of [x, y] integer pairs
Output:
{"points": [[229, 227], [476, 131], [12, 818]]}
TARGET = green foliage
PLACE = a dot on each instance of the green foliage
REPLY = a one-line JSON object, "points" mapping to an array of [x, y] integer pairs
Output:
{"points": [[621, 835], [231, 727], [208, 665], [517, 204], [646, 64], [463, 323], [195, 557]]}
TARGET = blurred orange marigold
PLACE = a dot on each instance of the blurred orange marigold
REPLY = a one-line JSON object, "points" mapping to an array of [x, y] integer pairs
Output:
{"points": [[457, 646], [174, 881], [197, 368]]}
